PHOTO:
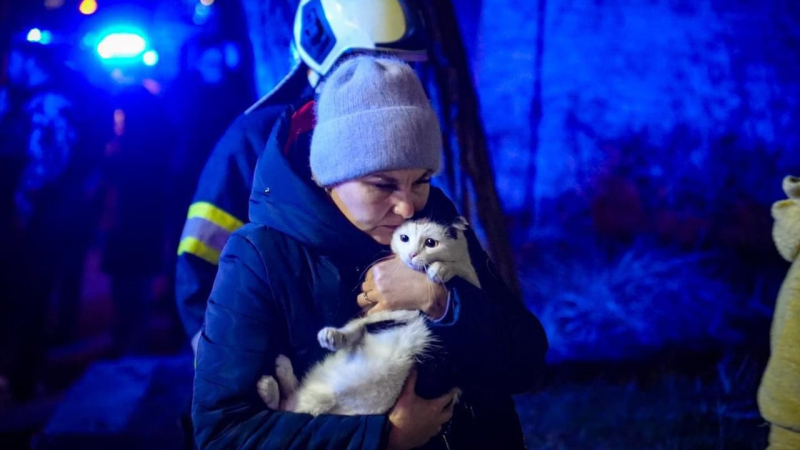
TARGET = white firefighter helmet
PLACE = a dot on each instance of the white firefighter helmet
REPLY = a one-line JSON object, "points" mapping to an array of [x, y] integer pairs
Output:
{"points": [[324, 30]]}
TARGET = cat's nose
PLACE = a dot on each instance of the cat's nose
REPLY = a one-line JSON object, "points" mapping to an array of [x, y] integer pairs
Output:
{"points": [[412, 256]]}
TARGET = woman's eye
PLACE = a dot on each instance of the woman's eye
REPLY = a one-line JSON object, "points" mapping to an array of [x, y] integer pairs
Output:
{"points": [[430, 243], [422, 182], [403, 238], [386, 187]]}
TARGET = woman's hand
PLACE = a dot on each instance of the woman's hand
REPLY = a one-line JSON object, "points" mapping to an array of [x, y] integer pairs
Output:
{"points": [[414, 420], [392, 285]]}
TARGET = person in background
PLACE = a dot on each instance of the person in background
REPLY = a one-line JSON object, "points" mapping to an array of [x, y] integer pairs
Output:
{"points": [[54, 122], [207, 97], [324, 32], [13, 154], [136, 191]]}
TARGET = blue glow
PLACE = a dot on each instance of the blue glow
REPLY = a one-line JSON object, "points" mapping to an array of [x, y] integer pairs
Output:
{"points": [[150, 58], [232, 57], [90, 40], [47, 37], [121, 45], [201, 14]]}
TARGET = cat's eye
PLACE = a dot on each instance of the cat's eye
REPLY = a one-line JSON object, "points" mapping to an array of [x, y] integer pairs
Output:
{"points": [[430, 243], [403, 238]]}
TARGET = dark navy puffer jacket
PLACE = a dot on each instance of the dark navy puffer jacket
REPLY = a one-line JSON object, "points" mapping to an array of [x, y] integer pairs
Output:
{"points": [[295, 269]]}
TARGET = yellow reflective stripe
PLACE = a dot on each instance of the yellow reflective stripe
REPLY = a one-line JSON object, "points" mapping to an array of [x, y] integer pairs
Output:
{"points": [[200, 249], [215, 215]]}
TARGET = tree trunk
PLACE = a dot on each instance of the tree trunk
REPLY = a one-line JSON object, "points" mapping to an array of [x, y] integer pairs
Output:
{"points": [[535, 116], [458, 104]]}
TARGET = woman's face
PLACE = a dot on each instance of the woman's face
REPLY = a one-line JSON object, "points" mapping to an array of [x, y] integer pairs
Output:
{"points": [[380, 202]]}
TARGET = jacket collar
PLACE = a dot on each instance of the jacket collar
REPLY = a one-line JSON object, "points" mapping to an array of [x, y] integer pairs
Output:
{"points": [[286, 199]]}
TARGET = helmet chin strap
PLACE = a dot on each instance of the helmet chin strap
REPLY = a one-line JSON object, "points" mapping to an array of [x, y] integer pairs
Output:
{"points": [[314, 80]]}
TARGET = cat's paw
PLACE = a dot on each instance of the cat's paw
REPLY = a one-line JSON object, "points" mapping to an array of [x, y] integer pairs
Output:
{"points": [[439, 273], [331, 338], [268, 390]]}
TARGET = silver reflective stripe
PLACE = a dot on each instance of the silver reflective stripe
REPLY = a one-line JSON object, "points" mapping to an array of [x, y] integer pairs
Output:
{"points": [[206, 231]]}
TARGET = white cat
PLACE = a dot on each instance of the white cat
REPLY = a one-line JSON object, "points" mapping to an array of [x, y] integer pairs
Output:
{"points": [[439, 250], [374, 354]]}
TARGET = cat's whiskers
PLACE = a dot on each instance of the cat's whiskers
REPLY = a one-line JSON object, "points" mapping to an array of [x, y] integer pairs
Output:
{"points": [[431, 293], [396, 268], [364, 271]]}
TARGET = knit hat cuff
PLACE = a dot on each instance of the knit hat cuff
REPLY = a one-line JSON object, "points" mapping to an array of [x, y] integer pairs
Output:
{"points": [[391, 138]]}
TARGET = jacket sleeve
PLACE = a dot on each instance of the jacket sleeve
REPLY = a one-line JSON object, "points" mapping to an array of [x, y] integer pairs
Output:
{"points": [[242, 335], [490, 334], [218, 209]]}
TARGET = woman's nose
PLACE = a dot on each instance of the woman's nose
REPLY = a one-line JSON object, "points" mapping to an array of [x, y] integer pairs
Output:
{"points": [[404, 207]]}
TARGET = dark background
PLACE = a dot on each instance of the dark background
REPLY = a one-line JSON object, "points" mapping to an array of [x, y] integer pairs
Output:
{"points": [[637, 147]]}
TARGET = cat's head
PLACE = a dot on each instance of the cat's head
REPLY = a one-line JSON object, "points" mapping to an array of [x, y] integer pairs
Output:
{"points": [[421, 242]]}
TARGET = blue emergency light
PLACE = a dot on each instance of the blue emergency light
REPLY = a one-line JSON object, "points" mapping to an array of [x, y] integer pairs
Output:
{"points": [[126, 45], [150, 58], [39, 36]]}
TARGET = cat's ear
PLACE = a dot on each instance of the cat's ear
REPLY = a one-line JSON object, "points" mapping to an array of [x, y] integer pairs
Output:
{"points": [[460, 223]]}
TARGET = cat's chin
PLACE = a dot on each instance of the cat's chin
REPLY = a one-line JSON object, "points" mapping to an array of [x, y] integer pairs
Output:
{"points": [[413, 266]]}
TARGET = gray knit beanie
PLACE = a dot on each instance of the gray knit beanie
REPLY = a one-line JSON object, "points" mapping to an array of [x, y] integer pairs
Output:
{"points": [[372, 116]]}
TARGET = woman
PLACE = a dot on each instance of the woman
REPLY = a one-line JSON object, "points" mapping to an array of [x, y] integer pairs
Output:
{"points": [[297, 267]]}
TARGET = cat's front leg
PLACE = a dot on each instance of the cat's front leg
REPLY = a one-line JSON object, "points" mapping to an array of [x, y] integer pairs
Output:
{"points": [[338, 338], [439, 272]]}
